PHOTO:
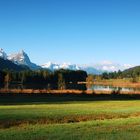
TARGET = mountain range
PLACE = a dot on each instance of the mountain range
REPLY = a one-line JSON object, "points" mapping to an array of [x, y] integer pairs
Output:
{"points": [[21, 58]]}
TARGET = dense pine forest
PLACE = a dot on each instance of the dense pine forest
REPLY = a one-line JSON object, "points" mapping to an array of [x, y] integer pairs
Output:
{"points": [[43, 79]]}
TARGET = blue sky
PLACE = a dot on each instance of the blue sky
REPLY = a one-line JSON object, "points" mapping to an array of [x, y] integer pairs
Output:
{"points": [[76, 31]]}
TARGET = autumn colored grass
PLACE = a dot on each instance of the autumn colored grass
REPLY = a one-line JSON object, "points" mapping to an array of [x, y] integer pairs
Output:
{"points": [[44, 91], [126, 82]]}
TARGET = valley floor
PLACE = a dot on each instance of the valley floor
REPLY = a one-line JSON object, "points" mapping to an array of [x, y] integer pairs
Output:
{"points": [[70, 120]]}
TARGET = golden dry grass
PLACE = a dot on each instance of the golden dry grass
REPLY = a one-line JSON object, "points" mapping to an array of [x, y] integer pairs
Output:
{"points": [[119, 83], [38, 91]]}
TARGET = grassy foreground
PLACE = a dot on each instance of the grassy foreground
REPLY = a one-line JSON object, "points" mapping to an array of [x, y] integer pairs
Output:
{"points": [[87, 120], [119, 129]]}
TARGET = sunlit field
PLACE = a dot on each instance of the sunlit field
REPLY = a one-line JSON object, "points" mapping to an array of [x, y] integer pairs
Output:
{"points": [[101, 120]]}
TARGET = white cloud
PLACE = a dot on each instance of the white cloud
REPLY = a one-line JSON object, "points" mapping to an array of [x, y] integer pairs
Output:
{"points": [[111, 66]]}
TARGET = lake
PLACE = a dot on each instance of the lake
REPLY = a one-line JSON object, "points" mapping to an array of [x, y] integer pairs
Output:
{"points": [[110, 88]]}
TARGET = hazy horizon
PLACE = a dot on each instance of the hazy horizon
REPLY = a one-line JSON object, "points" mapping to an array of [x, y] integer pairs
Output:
{"points": [[76, 31]]}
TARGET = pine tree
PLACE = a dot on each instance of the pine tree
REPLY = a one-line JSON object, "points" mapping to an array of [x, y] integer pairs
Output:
{"points": [[61, 82], [7, 80]]}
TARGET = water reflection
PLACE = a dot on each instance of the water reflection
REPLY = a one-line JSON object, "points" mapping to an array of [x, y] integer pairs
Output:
{"points": [[109, 88]]}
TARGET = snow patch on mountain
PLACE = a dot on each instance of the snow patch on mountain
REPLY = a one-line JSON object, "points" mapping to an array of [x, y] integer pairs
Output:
{"points": [[3, 54], [56, 66], [105, 66], [21, 58]]}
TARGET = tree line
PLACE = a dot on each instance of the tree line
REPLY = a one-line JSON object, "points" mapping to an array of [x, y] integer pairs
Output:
{"points": [[132, 73], [43, 79]]}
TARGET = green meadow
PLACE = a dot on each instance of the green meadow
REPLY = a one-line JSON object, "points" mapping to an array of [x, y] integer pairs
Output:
{"points": [[71, 120]]}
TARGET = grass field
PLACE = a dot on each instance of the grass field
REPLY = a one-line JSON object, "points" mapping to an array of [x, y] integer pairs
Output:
{"points": [[74, 120]]}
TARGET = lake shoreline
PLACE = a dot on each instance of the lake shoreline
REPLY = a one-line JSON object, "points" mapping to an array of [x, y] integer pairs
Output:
{"points": [[44, 91]]}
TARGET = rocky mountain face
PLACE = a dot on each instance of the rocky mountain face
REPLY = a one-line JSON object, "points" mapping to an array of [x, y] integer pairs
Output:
{"points": [[6, 64], [3, 54], [21, 58]]}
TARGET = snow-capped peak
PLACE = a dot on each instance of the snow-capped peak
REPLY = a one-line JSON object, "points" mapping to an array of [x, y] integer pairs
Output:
{"points": [[21, 58], [105, 66], [56, 66], [3, 54]]}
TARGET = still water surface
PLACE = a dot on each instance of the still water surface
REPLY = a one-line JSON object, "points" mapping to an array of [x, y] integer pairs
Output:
{"points": [[110, 88]]}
